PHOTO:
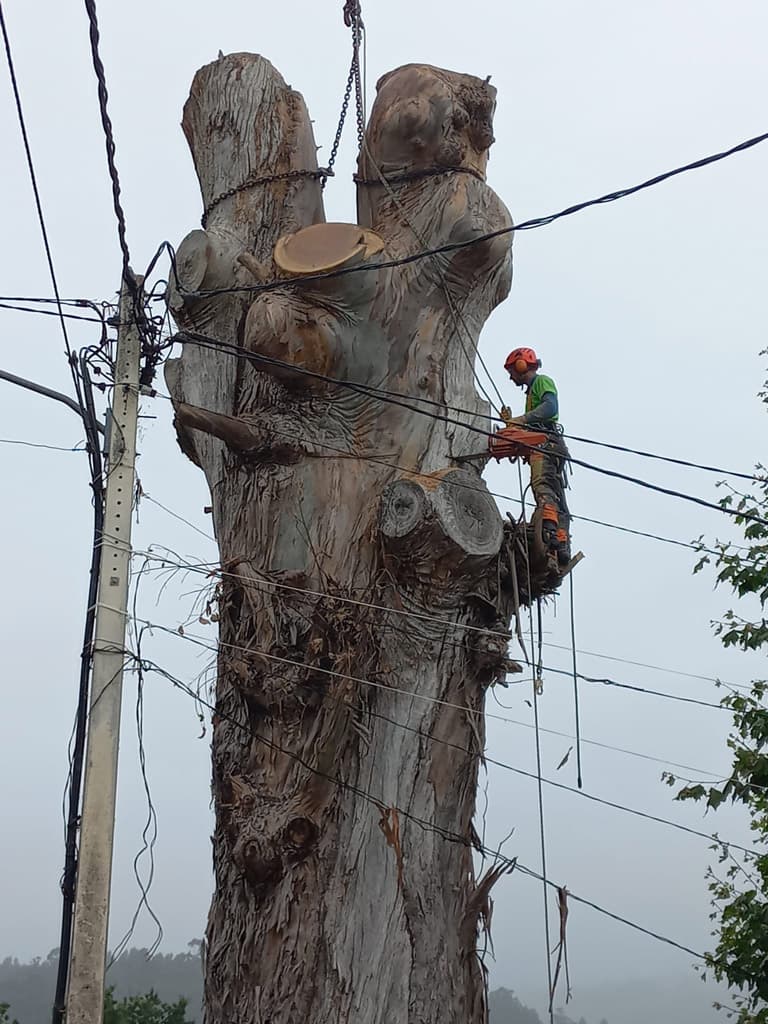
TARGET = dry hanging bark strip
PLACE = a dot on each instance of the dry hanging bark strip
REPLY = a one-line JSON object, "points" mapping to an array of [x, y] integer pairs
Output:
{"points": [[561, 948], [389, 823], [304, 924]]}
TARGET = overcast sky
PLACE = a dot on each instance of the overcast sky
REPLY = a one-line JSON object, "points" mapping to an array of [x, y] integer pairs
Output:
{"points": [[649, 313]]}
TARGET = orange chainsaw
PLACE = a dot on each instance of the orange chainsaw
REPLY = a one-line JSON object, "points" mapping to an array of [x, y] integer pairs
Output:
{"points": [[510, 443]]}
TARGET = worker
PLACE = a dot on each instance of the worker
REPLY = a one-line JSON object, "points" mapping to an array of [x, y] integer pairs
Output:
{"points": [[548, 464]]}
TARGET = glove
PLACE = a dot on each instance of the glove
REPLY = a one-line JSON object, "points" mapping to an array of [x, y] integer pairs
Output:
{"points": [[516, 421], [506, 414]]}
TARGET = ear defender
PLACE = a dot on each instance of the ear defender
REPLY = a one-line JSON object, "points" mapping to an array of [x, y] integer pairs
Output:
{"points": [[520, 366]]}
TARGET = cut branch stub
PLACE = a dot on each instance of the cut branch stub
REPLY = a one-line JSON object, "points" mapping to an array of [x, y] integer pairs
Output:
{"points": [[326, 247], [242, 123], [441, 525]]}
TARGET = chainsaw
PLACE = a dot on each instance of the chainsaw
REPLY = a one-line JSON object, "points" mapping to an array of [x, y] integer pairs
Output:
{"points": [[512, 442]]}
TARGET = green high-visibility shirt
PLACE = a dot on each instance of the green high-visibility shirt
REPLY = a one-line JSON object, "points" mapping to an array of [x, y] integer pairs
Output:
{"points": [[540, 386]]}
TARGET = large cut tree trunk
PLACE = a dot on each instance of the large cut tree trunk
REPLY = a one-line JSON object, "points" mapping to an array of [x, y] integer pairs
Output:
{"points": [[347, 738]]}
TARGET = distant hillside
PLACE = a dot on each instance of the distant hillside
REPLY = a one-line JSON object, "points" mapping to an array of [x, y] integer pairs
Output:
{"points": [[29, 988]]}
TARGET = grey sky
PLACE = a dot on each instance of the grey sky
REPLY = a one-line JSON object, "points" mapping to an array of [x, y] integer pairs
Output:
{"points": [[649, 313]]}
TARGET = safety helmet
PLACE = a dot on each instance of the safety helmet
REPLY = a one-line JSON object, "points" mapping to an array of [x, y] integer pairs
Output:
{"points": [[521, 360]]}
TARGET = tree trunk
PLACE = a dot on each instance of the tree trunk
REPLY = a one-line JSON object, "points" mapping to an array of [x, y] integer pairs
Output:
{"points": [[344, 882]]}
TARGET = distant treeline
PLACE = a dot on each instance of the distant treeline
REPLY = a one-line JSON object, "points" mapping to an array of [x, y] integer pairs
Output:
{"points": [[29, 988]]}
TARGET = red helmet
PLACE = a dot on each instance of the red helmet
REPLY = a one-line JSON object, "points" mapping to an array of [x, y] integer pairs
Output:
{"points": [[521, 360]]}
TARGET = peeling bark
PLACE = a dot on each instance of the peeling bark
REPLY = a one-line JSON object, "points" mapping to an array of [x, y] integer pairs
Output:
{"points": [[331, 902]]}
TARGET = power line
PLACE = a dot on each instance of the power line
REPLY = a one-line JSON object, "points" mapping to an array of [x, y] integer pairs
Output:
{"points": [[655, 668], [35, 190], [536, 691], [663, 458], [616, 917], [450, 247], [604, 681], [201, 642], [109, 139], [87, 414], [6, 303], [365, 389], [699, 549], [34, 444], [78, 737], [670, 492], [577, 716], [175, 515], [612, 747], [265, 584], [49, 312], [210, 568], [449, 835]]}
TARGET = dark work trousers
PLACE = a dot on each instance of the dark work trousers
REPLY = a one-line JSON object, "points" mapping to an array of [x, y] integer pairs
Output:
{"points": [[548, 475]]}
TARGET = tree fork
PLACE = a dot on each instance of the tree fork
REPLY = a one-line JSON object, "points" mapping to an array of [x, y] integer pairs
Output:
{"points": [[330, 905]]}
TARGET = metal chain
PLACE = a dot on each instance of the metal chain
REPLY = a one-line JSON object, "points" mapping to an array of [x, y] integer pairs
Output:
{"points": [[267, 179], [352, 20], [357, 34]]}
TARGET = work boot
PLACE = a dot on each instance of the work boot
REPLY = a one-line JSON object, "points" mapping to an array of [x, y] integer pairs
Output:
{"points": [[549, 534], [549, 526]]}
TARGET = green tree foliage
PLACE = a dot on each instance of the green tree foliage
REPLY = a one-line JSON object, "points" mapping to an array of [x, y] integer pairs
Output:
{"points": [[739, 884], [146, 1009], [4, 1018]]}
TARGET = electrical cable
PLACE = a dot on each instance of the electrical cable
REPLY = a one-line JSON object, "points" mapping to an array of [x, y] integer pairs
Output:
{"points": [[5, 303], [637, 689], [698, 548], [656, 668], [48, 312], [664, 458], [609, 746], [35, 189], [74, 783], [536, 692], [265, 584], [150, 831], [510, 863], [210, 569], [35, 444], [175, 515], [257, 358], [575, 682], [450, 247], [257, 652], [109, 142]]}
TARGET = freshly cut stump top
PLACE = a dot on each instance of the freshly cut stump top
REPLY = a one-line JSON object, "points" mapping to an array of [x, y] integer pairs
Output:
{"points": [[325, 247]]}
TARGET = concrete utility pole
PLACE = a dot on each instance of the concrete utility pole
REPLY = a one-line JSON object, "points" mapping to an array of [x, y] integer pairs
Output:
{"points": [[85, 995]]}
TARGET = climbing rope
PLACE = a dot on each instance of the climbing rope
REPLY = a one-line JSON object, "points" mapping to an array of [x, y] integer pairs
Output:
{"points": [[537, 690], [575, 683]]}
